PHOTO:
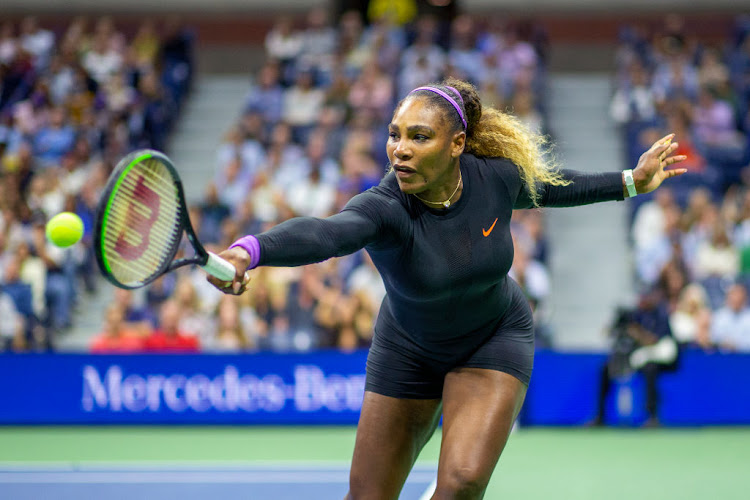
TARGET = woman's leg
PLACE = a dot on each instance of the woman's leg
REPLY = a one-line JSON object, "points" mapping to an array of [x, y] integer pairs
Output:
{"points": [[390, 435], [479, 408]]}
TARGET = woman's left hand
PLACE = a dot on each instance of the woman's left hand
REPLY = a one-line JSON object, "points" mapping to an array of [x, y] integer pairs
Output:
{"points": [[649, 173]]}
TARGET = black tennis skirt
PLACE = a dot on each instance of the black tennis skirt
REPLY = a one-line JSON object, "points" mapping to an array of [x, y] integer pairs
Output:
{"points": [[396, 370]]}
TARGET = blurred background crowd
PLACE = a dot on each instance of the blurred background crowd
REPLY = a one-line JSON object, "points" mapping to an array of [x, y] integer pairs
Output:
{"points": [[311, 134], [71, 104], [691, 245]]}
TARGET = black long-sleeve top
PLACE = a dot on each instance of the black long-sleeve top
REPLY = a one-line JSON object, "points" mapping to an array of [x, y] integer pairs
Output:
{"points": [[445, 271]]}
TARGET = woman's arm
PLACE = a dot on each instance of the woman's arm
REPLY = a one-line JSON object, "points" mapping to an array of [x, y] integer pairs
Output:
{"points": [[306, 240], [587, 188], [584, 189]]}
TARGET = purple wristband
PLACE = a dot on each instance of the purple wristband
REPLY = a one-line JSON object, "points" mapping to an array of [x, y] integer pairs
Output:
{"points": [[252, 246]]}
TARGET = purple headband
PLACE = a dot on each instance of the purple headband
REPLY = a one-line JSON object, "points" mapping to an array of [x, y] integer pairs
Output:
{"points": [[447, 98]]}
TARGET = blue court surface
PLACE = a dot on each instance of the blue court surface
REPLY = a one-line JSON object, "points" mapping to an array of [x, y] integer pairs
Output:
{"points": [[191, 482]]}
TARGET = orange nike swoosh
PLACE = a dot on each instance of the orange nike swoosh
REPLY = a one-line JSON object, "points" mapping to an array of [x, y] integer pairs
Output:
{"points": [[486, 232]]}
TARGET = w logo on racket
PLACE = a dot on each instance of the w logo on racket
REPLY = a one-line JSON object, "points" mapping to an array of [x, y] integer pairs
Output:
{"points": [[140, 221], [142, 214]]}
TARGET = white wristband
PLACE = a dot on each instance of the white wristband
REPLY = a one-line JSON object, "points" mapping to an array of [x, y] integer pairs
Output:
{"points": [[629, 182]]}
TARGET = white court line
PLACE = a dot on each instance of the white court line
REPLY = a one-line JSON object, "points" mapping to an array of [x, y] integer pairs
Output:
{"points": [[169, 477], [157, 465], [429, 491], [185, 477]]}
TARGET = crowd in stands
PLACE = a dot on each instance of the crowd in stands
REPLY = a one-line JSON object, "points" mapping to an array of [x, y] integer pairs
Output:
{"points": [[690, 238], [72, 103], [312, 134]]}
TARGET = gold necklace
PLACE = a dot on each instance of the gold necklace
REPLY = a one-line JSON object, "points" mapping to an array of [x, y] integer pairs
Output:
{"points": [[447, 202]]}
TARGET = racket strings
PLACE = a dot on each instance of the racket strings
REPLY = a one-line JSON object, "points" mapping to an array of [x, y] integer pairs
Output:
{"points": [[143, 222]]}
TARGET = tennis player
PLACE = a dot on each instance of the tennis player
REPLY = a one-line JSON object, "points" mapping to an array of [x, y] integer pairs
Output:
{"points": [[455, 334]]}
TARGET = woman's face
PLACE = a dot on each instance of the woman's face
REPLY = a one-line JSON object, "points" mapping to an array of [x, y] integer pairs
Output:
{"points": [[422, 149]]}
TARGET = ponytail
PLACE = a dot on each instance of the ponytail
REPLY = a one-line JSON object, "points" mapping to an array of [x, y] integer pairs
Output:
{"points": [[494, 134]]}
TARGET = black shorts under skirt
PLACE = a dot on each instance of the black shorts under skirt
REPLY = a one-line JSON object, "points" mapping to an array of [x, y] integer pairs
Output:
{"points": [[393, 369]]}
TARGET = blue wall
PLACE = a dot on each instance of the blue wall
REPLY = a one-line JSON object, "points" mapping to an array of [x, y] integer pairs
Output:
{"points": [[327, 387]]}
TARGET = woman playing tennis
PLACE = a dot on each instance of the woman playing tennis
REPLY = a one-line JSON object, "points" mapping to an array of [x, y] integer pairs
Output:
{"points": [[455, 334]]}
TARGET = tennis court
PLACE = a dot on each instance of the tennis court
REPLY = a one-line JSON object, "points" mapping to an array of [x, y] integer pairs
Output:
{"points": [[192, 463]]}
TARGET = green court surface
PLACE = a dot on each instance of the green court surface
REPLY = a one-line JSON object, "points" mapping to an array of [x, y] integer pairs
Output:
{"points": [[538, 463]]}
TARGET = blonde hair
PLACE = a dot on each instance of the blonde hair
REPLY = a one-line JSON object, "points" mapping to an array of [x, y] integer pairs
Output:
{"points": [[503, 135], [492, 133]]}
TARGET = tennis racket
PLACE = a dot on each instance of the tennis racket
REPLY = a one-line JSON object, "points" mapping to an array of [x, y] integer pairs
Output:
{"points": [[140, 220]]}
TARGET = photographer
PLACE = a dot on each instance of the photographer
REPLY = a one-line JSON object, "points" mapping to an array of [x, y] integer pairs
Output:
{"points": [[643, 342]]}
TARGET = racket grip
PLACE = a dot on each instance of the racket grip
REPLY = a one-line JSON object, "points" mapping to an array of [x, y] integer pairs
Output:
{"points": [[219, 268]]}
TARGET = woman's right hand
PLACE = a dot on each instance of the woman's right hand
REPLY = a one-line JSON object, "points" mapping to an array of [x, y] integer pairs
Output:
{"points": [[240, 259]]}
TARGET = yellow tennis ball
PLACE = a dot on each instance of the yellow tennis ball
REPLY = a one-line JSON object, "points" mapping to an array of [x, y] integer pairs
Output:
{"points": [[64, 229]]}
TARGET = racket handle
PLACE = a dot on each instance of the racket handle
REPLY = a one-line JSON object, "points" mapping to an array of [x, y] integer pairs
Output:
{"points": [[219, 268]]}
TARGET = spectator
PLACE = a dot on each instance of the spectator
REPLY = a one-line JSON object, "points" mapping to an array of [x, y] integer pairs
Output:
{"points": [[318, 41], [516, 56], [193, 321], [118, 95], [12, 326], [237, 145], [8, 43], [105, 29], [136, 317], [59, 288], [267, 96], [675, 79], [302, 104], [524, 108], [531, 275], [714, 122], [634, 101], [44, 194], [648, 223], [716, 256], [312, 196], [366, 280], [528, 227], [285, 159], [176, 58], [23, 279], [233, 183], [283, 44], [655, 253], [698, 221], [690, 322], [712, 72], [353, 48], [212, 211], [53, 141], [464, 55], [385, 42], [102, 60], [152, 114], [61, 78], [424, 55], [372, 92], [37, 41], [115, 336], [534, 280], [229, 335], [145, 45], [730, 327], [168, 337]]}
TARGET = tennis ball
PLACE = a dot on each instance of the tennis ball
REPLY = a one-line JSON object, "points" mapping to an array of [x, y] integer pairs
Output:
{"points": [[64, 229]]}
